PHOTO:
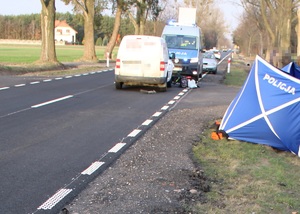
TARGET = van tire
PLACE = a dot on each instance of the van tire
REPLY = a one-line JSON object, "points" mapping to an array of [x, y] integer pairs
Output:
{"points": [[118, 85], [169, 84], [162, 87]]}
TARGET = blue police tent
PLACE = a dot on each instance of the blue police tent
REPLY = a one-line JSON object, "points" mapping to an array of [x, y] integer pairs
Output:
{"points": [[293, 69], [267, 109]]}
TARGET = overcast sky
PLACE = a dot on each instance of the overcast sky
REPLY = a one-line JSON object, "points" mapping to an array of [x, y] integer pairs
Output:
{"points": [[18, 7]]}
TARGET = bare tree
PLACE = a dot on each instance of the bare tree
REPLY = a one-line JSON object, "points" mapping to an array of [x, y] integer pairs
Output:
{"points": [[275, 17], [87, 9], [120, 7], [48, 54]]}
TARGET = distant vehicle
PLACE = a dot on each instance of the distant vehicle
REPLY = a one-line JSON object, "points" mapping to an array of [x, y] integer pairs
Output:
{"points": [[185, 42], [144, 61], [210, 63], [216, 53]]}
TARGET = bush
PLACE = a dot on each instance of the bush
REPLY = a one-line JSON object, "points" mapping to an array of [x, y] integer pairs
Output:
{"points": [[99, 41]]}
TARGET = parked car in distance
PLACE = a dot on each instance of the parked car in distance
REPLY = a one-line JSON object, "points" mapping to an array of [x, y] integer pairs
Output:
{"points": [[210, 63], [217, 54], [143, 61]]}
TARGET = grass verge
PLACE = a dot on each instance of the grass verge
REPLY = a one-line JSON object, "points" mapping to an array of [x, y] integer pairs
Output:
{"points": [[246, 177], [22, 60]]}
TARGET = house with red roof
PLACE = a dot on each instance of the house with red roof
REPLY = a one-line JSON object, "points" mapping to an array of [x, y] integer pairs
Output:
{"points": [[64, 32]]}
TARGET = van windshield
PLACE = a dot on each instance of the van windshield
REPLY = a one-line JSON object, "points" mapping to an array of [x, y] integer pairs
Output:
{"points": [[182, 42]]}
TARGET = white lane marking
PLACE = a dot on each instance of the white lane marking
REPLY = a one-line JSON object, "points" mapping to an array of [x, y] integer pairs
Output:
{"points": [[147, 122], [185, 90], [117, 147], [171, 102], [51, 202], [36, 82], [4, 88], [156, 114], [67, 77], [176, 98], [134, 133], [52, 101], [47, 80], [85, 74], [20, 85], [180, 94], [92, 168], [77, 75], [164, 107], [58, 78]]}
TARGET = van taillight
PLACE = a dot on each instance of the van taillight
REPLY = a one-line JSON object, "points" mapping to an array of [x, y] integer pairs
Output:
{"points": [[118, 63], [162, 66]]}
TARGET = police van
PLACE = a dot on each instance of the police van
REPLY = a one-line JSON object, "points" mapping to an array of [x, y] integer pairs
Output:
{"points": [[185, 40]]}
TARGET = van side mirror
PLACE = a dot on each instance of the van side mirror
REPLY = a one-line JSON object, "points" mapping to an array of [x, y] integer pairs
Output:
{"points": [[172, 55]]}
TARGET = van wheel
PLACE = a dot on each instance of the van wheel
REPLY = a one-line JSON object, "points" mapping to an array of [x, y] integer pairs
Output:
{"points": [[162, 87], [118, 85], [169, 84]]}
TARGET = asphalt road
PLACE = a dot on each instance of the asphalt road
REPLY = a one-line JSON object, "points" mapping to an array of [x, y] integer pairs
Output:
{"points": [[58, 134]]}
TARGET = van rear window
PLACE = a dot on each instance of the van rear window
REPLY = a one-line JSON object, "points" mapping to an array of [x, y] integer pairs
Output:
{"points": [[134, 43]]}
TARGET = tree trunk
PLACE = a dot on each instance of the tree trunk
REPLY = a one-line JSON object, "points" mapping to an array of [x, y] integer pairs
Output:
{"points": [[89, 53], [110, 46], [135, 25], [48, 54], [298, 33]]}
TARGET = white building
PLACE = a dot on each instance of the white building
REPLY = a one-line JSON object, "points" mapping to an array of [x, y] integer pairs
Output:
{"points": [[63, 32]]}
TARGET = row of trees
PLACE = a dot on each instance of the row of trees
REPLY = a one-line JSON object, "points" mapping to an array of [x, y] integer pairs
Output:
{"points": [[129, 17], [269, 28]]}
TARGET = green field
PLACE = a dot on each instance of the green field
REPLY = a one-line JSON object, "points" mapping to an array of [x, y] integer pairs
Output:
{"points": [[18, 54]]}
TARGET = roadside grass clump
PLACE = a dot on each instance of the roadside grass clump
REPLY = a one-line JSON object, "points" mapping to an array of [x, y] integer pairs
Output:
{"points": [[238, 73], [248, 178]]}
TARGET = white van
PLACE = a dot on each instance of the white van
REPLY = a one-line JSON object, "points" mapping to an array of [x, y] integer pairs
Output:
{"points": [[144, 61]]}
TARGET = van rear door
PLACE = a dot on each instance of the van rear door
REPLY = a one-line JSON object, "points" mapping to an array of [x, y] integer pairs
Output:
{"points": [[139, 57]]}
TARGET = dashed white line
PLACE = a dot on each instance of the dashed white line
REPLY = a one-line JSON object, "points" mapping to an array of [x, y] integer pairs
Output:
{"points": [[117, 147], [58, 78], [4, 88], [134, 133], [156, 114], [47, 80], [147, 122], [51, 202], [92, 168], [52, 101], [20, 85], [176, 98], [171, 102], [36, 82], [164, 107]]}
